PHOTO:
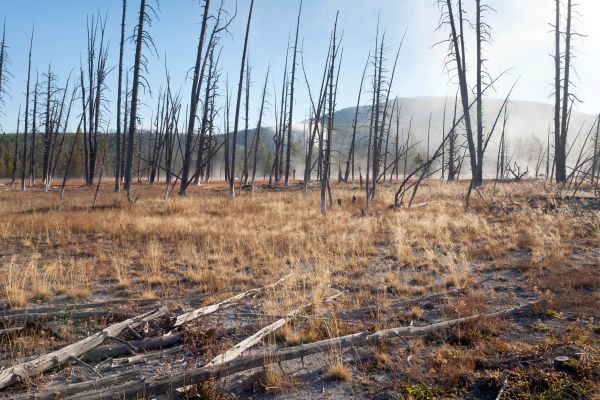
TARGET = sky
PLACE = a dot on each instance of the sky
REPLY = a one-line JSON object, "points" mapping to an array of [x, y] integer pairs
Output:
{"points": [[522, 43]]}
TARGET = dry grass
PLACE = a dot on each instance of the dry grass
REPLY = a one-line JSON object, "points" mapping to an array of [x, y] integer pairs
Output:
{"points": [[339, 372], [203, 243]]}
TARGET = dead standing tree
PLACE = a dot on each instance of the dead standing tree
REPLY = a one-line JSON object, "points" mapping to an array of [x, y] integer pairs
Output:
{"points": [[326, 151], [118, 161], [564, 95], [238, 103], [456, 53], [291, 112], [4, 61], [27, 94], [141, 38], [195, 98], [350, 160], [258, 128], [96, 76]]}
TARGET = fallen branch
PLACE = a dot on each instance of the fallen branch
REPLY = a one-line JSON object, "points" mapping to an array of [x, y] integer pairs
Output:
{"points": [[51, 360], [167, 384]]}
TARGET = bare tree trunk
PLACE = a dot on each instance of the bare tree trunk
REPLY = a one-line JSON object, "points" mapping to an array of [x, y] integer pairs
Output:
{"points": [[350, 160], [459, 54], [407, 146], [327, 157], [238, 103], [246, 120], [561, 160], [226, 138], [32, 158], [258, 128], [24, 156], [119, 98], [377, 131], [3, 61], [16, 153], [134, 96], [478, 27], [290, 116]]}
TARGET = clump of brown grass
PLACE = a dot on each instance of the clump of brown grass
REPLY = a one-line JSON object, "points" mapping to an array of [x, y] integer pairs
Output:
{"points": [[339, 372]]}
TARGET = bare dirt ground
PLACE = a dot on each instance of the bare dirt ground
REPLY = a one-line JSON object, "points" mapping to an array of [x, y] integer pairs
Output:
{"points": [[70, 270]]}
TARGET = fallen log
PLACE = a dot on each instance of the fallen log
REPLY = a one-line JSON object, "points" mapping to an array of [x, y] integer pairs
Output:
{"points": [[61, 391], [256, 338], [120, 349], [140, 358], [51, 360], [103, 305], [197, 313], [39, 317], [168, 384], [400, 303]]}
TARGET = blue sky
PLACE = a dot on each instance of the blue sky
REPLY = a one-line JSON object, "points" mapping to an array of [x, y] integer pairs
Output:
{"points": [[521, 41]]}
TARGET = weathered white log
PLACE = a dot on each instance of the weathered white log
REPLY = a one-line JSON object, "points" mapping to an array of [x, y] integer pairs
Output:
{"points": [[197, 313], [168, 384], [51, 360], [256, 338]]}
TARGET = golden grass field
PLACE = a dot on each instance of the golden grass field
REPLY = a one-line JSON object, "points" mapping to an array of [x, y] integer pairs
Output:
{"points": [[515, 235]]}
